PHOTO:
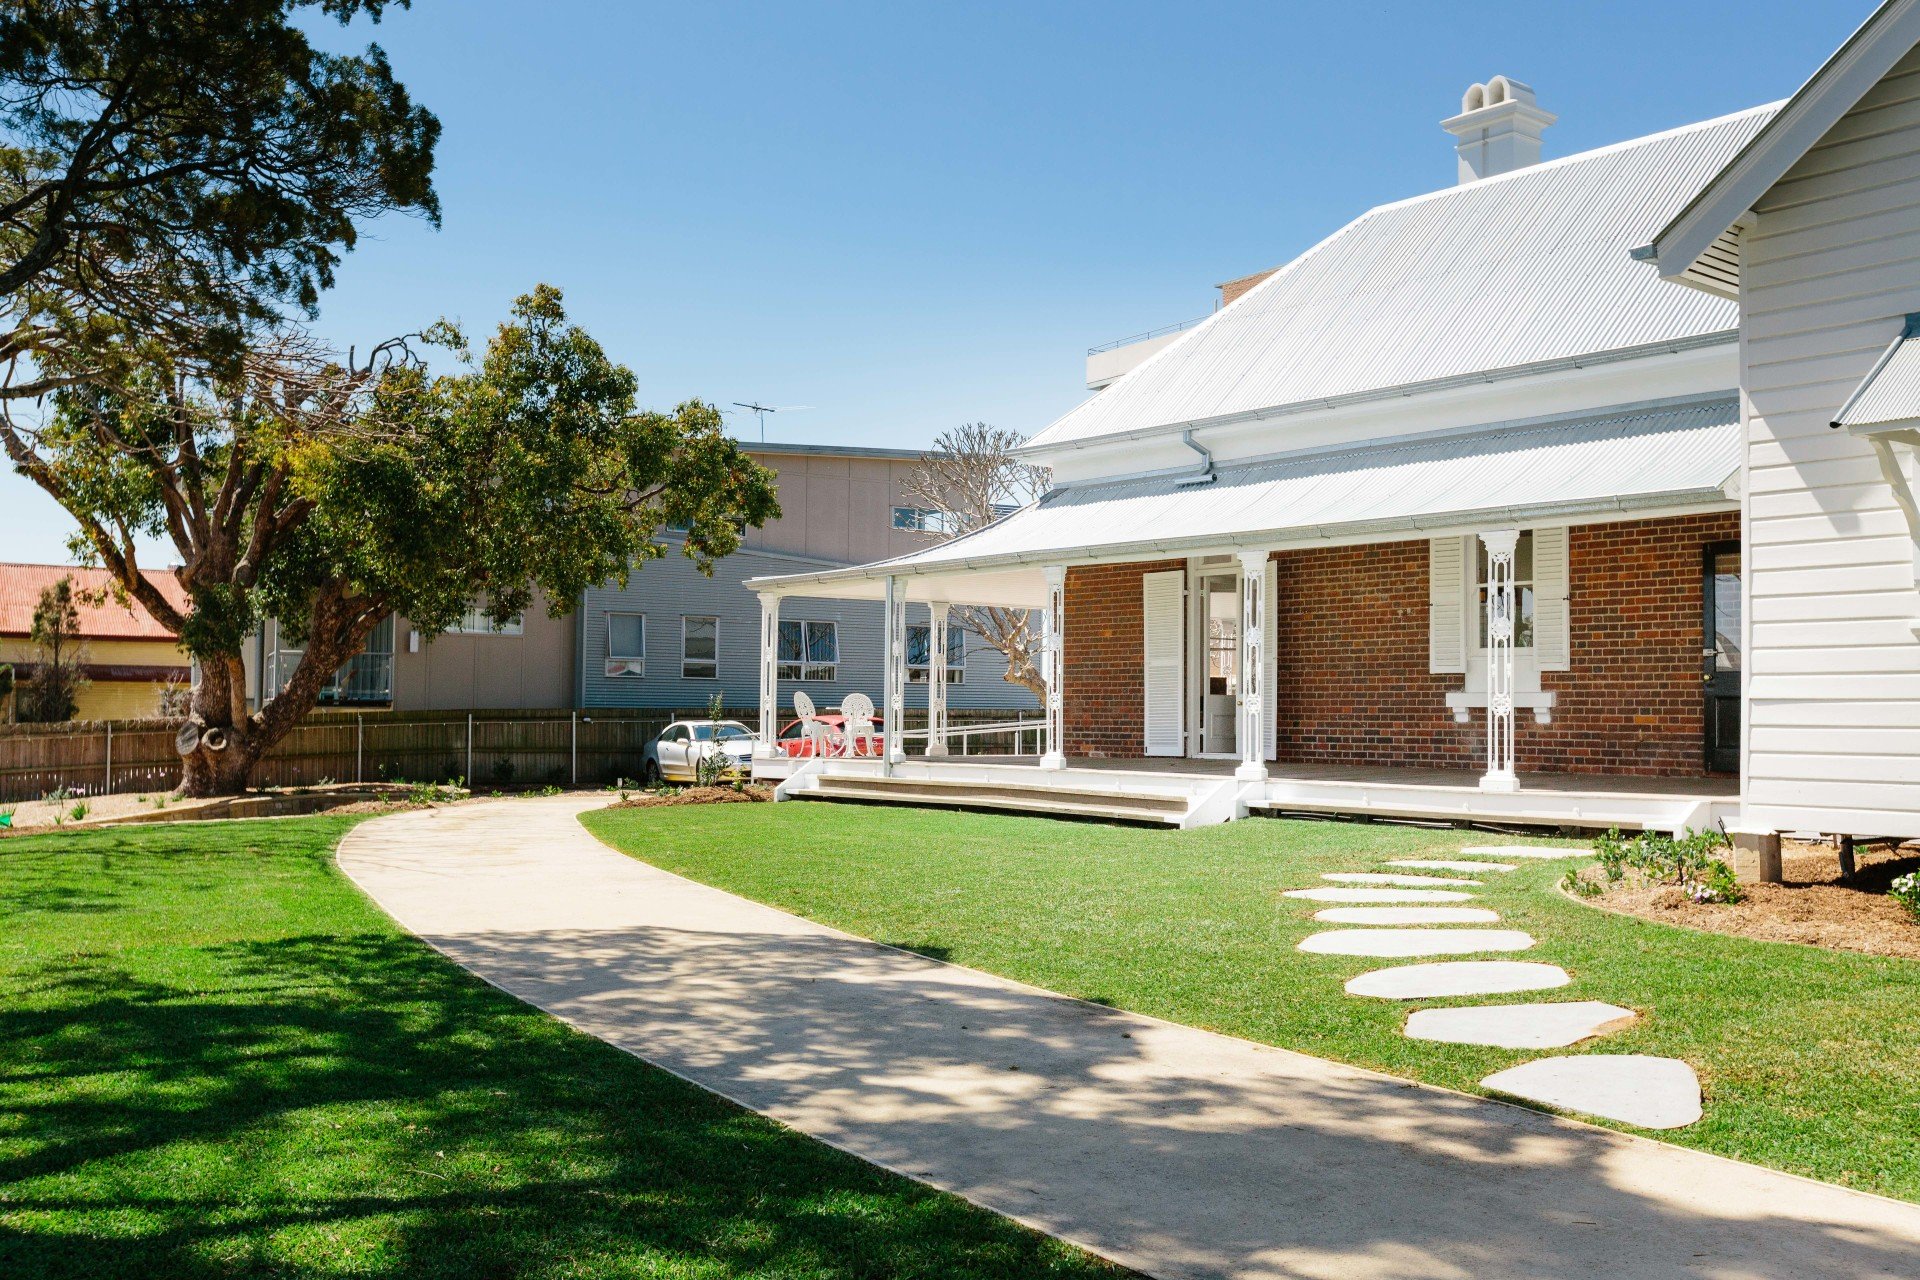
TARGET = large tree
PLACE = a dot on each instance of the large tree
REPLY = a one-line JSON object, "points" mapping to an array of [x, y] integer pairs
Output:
{"points": [[369, 487], [177, 171], [971, 477]]}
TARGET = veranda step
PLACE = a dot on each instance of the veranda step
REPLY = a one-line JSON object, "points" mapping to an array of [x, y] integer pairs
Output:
{"points": [[1631, 817], [1159, 801], [1056, 803]]}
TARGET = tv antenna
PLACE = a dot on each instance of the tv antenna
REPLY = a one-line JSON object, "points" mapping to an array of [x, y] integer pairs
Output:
{"points": [[760, 411]]}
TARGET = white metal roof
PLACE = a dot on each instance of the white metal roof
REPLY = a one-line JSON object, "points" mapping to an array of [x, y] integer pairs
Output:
{"points": [[1655, 458], [1525, 270], [1888, 398]]}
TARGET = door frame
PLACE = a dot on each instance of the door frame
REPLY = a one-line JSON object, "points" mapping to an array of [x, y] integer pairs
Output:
{"points": [[1197, 573], [1709, 650]]}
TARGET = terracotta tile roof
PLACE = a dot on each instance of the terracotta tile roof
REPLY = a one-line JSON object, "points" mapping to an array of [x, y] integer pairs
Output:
{"points": [[21, 585]]}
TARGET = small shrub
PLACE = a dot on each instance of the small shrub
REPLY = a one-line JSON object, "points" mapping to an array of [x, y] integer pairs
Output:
{"points": [[711, 768], [1905, 890], [1691, 862], [502, 771], [80, 811], [1577, 885], [59, 795]]}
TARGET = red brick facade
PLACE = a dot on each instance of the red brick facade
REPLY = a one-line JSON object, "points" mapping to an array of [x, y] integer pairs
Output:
{"points": [[1353, 685]]}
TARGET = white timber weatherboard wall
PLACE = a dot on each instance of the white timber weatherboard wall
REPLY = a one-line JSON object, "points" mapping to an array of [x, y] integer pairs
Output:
{"points": [[1829, 270]]}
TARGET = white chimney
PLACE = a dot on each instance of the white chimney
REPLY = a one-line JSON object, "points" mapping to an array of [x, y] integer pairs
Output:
{"points": [[1499, 128]]}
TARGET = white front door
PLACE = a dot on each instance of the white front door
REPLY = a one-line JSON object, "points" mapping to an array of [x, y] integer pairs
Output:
{"points": [[1214, 659]]}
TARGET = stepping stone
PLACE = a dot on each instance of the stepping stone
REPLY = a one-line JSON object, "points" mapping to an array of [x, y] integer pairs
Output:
{"points": [[1457, 978], [1654, 1093], [1414, 942], [1518, 1026], [1379, 895], [1522, 851], [1381, 877], [1407, 915], [1442, 864]]}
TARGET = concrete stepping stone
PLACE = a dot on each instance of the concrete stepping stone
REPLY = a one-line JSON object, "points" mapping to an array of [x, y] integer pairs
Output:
{"points": [[1522, 851], [1443, 864], [1378, 895], [1382, 877], [1414, 942], [1457, 978], [1518, 1026], [1654, 1093], [1407, 915]]}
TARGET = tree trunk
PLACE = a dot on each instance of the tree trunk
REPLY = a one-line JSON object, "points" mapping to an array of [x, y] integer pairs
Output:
{"points": [[221, 717]]}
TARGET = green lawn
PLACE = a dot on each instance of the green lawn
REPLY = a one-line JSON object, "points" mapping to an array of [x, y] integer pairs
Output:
{"points": [[218, 1060], [1810, 1059]]}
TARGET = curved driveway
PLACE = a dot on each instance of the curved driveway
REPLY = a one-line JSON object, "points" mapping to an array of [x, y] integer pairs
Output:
{"points": [[1172, 1150]]}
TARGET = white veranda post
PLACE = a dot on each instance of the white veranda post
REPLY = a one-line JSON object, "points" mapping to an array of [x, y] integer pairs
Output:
{"points": [[769, 673], [1051, 666], [1253, 669], [937, 679], [896, 673], [1499, 546]]}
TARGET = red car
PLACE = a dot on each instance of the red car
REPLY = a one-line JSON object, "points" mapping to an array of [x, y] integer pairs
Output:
{"points": [[793, 743]]}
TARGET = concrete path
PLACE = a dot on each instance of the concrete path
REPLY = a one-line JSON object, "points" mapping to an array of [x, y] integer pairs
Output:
{"points": [[1172, 1150]]}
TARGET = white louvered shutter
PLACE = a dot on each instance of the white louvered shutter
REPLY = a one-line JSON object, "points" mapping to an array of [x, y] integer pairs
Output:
{"points": [[1270, 678], [1552, 625], [1446, 588], [1162, 599]]}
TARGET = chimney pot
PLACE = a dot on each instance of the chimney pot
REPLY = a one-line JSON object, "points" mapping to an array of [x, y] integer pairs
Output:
{"points": [[1498, 128]]}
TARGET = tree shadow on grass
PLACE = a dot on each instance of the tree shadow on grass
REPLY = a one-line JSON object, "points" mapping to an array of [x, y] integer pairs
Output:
{"points": [[313, 1105]]}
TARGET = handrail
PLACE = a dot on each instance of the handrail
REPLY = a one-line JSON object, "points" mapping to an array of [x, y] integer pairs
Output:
{"points": [[1161, 332]]}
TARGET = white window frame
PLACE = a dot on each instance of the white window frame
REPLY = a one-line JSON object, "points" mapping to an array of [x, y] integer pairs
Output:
{"points": [[918, 672], [1528, 693], [688, 662], [919, 520], [625, 665], [476, 621], [804, 669]]}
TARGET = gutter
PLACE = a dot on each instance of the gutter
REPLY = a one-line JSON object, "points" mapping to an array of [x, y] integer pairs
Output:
{"points": [[1403, 391]]}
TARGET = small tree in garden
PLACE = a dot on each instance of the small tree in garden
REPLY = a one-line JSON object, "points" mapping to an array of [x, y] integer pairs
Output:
{"points": [[970, 479], [52, 693]]}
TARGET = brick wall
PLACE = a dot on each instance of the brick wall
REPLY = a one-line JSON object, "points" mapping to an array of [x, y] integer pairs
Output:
{"points": [[1353, 685]]}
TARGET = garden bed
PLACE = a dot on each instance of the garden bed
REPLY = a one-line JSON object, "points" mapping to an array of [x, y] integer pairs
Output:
{"points": [[1813, 906], [667, 796]]}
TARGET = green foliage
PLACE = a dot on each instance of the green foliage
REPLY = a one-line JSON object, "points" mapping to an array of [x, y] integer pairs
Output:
{"points": [[51, 694], [1577, 885], [1692, 862], [1905, 890], [80, 811]]}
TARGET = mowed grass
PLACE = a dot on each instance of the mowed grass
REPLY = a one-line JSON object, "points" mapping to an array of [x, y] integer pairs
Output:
{"points": [[218, 1060], [1810, 1059]]}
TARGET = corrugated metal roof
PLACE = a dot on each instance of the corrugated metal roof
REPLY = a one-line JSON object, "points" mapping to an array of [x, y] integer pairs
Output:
{"points": [[101, 619], [1634, 460], [1890, 393], [1510, 272]]}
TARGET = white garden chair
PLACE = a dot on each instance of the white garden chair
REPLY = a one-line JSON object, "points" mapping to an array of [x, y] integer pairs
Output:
{"points": [[857, 711], [812, 729]]}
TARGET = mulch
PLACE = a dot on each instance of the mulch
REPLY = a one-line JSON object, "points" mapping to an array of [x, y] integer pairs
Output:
{"points": [[1814, 906], [696, 795]]}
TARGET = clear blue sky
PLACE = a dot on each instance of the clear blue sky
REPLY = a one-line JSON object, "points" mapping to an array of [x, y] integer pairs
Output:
{"points": [[910, 216]]}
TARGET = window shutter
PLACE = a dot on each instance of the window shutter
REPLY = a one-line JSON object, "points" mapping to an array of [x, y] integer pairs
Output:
{"points": [[1446, 621], [1552, 624], [1164, 722], [1270, 646]]}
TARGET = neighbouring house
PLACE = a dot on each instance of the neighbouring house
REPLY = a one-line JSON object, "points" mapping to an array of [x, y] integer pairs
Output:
{"points": [[1440, 519], [674, 638], [127, 659]]}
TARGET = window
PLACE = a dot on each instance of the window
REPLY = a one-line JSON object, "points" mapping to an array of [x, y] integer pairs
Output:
{"points": [[809, 650], [920, 656], [478, 622], [1522, 591], [626, 644], [920, 520], [724, 731], [700, 648]]}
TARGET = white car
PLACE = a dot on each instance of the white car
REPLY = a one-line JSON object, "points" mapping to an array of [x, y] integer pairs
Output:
{"points": [[674, 754]]}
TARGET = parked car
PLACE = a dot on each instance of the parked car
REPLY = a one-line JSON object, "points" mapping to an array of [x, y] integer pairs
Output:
{"points": [[674, 754], [792, 742]]}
